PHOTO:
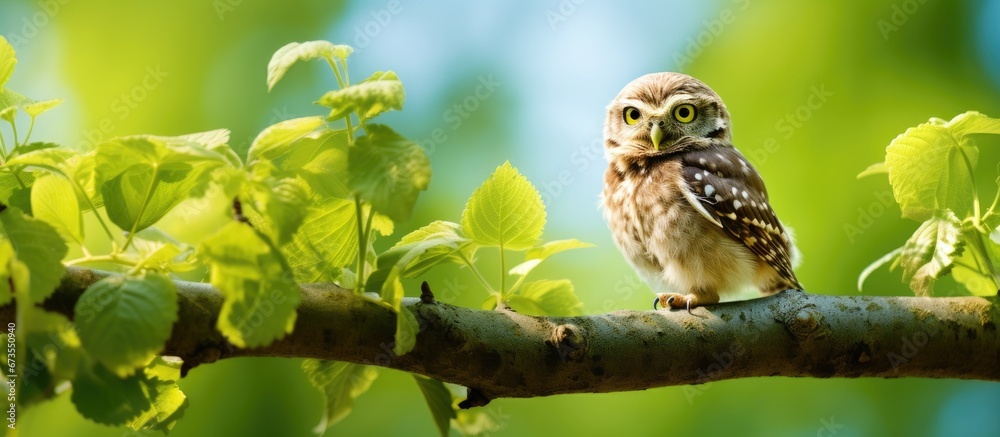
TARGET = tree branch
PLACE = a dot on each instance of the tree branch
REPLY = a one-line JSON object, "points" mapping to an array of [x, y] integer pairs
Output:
{"points": [[506, 354]]}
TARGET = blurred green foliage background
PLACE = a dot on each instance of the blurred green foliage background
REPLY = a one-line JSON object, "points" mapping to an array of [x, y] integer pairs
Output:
{"points": [[816, 90]]}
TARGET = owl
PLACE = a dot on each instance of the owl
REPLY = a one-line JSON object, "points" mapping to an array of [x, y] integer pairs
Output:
{"points": [[685, 207]]}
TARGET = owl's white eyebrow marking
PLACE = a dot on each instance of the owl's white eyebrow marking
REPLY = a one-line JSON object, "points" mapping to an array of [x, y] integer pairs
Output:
{"points": [[676, 99], [634, 102]]}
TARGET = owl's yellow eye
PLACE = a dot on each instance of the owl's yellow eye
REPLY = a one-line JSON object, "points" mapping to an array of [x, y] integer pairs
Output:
{"points": [[685, 113], [631, 115]]}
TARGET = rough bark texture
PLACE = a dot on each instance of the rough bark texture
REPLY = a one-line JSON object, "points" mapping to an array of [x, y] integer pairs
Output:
{"points": [[506, 354]]}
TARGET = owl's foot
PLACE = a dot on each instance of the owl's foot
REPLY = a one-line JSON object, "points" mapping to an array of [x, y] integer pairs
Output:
{"points": [[676, 301]]}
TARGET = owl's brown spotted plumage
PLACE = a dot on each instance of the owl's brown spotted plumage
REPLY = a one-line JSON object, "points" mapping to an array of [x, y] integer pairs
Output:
{"points": [[686, 208]]}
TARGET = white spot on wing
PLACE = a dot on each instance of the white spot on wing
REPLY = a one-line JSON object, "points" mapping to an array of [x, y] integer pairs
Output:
{"points": [[737, 204], [690, 197], [709, 190]]}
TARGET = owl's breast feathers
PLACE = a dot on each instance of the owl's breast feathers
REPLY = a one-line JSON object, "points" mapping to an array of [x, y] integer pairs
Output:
{"points": [[728, 191]]}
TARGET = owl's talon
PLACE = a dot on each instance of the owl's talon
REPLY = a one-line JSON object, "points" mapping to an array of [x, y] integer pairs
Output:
{"points": [[673, 301]]}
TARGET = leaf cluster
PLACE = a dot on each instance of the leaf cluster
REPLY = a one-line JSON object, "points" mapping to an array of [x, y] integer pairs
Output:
{"points": [[307, 205], [931, 168]]}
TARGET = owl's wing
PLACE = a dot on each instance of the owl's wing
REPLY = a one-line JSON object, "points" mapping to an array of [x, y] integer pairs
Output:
{"points": [[727, 190]]}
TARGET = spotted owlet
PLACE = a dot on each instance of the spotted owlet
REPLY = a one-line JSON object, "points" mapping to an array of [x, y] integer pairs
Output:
{"points": [[686, 208]]}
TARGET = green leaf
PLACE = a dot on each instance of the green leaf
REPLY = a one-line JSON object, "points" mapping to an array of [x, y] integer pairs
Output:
{"points": [[407, 328], [320, 159], [305, 148], [51, 159], [8, 114], [553, 247], [53, 201], [392, 263], [277, 140], [9, 99], [885, 259], [438, 400], [326, 241], [977, 284], [379, 93], [101, 396], [124, 322], [145, 176], [452, 246], [388, 171], [547, 298], [281, 205], [341, 383], [14, 274], [257, 285], [161, 256], [34, 109], [285, 57], [167, 402], [931, 252], [39, 247], [973, 122], [386, 281], [927, 165], [7, 61], [53, 354], [537, 254], [874, 169], [505, 211], [34, 146]]}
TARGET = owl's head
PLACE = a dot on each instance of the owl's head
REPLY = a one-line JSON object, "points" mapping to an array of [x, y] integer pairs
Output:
{"points": [[653, 113]]}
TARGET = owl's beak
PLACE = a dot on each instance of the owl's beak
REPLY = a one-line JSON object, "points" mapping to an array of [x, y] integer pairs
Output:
{"points": [[656, 134]]}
